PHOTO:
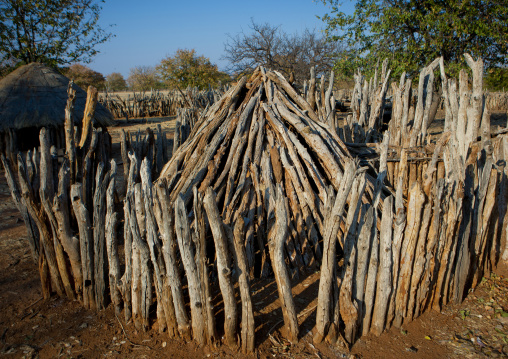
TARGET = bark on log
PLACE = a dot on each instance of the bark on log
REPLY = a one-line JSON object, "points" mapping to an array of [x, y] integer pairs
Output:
{"points": [[112, 243], [384, 284], [165, 220], [329, 250], [99, 235], [276, 244], [202, 265], [85, 244], [71, 244], [224, 273], [184, 242], [248, 326], [91, 102]]}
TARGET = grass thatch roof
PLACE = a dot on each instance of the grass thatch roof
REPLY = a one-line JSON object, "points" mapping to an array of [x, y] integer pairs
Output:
{"points": [[35, 95]]}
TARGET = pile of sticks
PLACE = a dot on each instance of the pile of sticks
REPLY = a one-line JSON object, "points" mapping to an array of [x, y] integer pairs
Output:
{"points": [[63, 206], [367, 104], [264, 185], [498, 101], [154, 146], [262, 131], [185, 121], [445, 226]]}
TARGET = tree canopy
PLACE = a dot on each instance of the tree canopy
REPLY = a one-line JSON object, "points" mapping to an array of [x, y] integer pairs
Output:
{"points": [[411, 33], [267, 45], [115, 82], [54, 32], [84, 76], [186, 68], [144, 78], [497, 79]]}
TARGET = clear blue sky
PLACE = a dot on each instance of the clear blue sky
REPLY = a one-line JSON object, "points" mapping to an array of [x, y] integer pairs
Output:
{"points": [[149, 30]]}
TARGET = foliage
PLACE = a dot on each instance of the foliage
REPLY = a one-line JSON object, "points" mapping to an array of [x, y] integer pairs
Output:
{"points": [[54, 32], [267, 45], [144, 78], [84, 76], [185, 69], [412, 33], [7, 66], [115, 82], [497, 79]]}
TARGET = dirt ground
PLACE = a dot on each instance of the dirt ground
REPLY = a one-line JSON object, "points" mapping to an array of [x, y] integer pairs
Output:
{"points": [[31, 327]]}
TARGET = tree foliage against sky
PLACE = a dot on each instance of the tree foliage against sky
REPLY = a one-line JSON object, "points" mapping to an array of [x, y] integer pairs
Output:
{"points": [[186, 68], [411, 33], [115, 82], [54, 32], [144, 78], [497, 79], [267, 45], [84, 76]]}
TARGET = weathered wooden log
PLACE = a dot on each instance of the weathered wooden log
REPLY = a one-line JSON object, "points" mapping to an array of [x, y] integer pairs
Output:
{"points": [[201, 263], [363, 254], [91, 103], [419, 260], [184, 243], [398, 234], [33, 232], [276, 246], [416, 200], [384, 284], [61, 209], [70, 146], [112, 243], [311, 97], [85, 244], [88, 172], [248, 327], [46, 194], [160, 150], [99, 236], [223, 267], [165, 221], [477, 103], [166, 311], [329, 249], [141, 272], [126, 280], [124, 146], [431, 246], [347, 304]]}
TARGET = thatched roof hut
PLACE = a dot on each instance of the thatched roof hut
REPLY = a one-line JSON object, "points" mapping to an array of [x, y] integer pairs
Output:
{"points": [[35, 95]]}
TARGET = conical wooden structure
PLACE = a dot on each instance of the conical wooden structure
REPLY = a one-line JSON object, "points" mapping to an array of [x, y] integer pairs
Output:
{"points": [[262, 133]]}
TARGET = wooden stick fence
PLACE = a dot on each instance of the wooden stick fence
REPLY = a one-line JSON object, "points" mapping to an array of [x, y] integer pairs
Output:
{"points": [[264, 184], [157, 103]]}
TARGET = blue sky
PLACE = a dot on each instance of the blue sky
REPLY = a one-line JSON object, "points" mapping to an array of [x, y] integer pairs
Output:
{"points": [[149, 30]]}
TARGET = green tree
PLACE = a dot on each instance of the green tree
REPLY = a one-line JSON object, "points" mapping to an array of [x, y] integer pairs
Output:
{"points": [[84, 76], [411, 33], [497, 79], [185, 69], [115, 82], [54, 32], [144, 78]]}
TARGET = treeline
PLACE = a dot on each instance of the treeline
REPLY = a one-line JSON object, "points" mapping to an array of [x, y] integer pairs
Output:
{"points": [[184, 69]]}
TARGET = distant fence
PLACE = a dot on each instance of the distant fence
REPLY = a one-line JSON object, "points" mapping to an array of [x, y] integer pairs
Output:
{"points": [[157, 103]]}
